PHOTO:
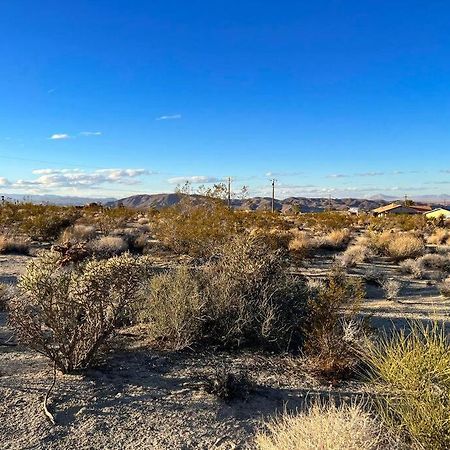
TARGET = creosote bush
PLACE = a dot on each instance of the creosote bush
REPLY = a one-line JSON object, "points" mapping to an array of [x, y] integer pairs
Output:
{"points": [[241, 297], [67, 312], [444, 287], [412, 372], [107, 246], [324, 427]]}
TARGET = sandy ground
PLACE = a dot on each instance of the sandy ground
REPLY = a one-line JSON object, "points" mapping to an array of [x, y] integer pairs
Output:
{"points": [[136, 398]]}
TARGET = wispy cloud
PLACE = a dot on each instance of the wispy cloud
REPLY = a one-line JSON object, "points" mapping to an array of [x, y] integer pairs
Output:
{"points": [[58, 136], [77, 178], [196, 179], [337, 175], [169, 117], [370, 174], [50, 91], [90, 133], [283, 174]]}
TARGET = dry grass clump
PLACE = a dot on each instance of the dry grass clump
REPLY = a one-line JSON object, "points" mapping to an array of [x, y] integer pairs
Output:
{"points": [[324, 427], [379, 242], [391, 288], [242, 297], [67, 312], [332, 308], [15, 245], [107, 246], [404, 246], [444, 287], [435, 261], [413, 267], [355, 254], [301, 243], [412, 373], [440, 236], [78, 233], [334, 240]]}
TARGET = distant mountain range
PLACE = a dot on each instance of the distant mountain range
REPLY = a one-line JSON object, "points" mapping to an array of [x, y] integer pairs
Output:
{"points": [[302, 204], [55, 199]]}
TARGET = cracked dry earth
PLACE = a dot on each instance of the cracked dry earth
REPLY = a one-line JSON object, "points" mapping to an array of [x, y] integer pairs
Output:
{"points": [[137, 398]]}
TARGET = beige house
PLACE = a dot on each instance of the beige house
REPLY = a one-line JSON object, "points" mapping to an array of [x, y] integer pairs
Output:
{"points": [[401, 208]]}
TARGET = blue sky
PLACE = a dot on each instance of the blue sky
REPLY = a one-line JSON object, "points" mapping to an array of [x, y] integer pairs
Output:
{"points": [[112, 98]]}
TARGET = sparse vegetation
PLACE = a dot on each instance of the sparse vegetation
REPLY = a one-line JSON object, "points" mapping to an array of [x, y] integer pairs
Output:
{"points": [[323, 426]]}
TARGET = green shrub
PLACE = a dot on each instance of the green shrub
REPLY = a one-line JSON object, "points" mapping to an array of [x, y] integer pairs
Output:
{"points": [[242, 297], [412, 371]]}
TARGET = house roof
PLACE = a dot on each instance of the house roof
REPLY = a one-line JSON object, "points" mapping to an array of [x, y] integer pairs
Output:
{"points": [[386, 208], [392, 206]]}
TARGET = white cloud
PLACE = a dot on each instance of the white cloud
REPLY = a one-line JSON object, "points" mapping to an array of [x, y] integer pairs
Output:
{"points": [[59, 136], [4, 181], [337, 175], [283, 174], [90, 133], [76, 178], [196, 179], [370, 174], [169, 117]]}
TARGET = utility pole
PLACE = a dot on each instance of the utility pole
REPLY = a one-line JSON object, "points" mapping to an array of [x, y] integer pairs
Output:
{"points": [[273, 195], [406, 200], [229, 192]]}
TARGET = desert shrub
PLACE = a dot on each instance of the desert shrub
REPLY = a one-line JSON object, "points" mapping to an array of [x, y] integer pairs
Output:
{"points": [[175, 308], [78, 233], [107, 246], [228, 385], [6, 293], [412, 372], [67, 312], [440, 236], [9, 244], [300, 243], [241, 297], [323, 426], [195, 229], [49, 223], [379, 242], [373, 275], [405, 246], [403, 222], [413, 267], [435, 261], [444, 287], [334, 240], [330, 306], [391, 288], [355, 254]]}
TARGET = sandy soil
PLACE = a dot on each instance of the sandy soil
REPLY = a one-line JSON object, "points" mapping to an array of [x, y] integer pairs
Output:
{"points": [[136, 398]]}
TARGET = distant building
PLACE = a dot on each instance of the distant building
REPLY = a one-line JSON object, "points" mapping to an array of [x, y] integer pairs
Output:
{"points": [[401, 208], [353, 210], [438, 213]]}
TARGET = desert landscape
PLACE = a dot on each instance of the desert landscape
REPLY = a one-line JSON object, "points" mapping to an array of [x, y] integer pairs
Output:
{"points": [[201, 326]]}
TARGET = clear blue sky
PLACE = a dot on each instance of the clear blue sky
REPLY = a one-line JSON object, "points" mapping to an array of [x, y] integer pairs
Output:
{"points": [[344, 97]]}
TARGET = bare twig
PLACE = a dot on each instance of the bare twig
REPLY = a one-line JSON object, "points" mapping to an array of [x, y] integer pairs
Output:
{"points": [[44, 404]]}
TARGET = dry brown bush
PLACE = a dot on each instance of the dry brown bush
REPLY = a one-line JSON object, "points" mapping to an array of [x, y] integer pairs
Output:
{"points": [[11, 244], [334, 240], [107, 246], [355, 254], [331, 306], [440, 236], [67, 313], [444, 287], [78, 233], [6, 294], [404, 246]]}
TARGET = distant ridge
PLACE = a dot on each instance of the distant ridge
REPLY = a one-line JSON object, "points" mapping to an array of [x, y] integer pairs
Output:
{"points": [[304, 204]]}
